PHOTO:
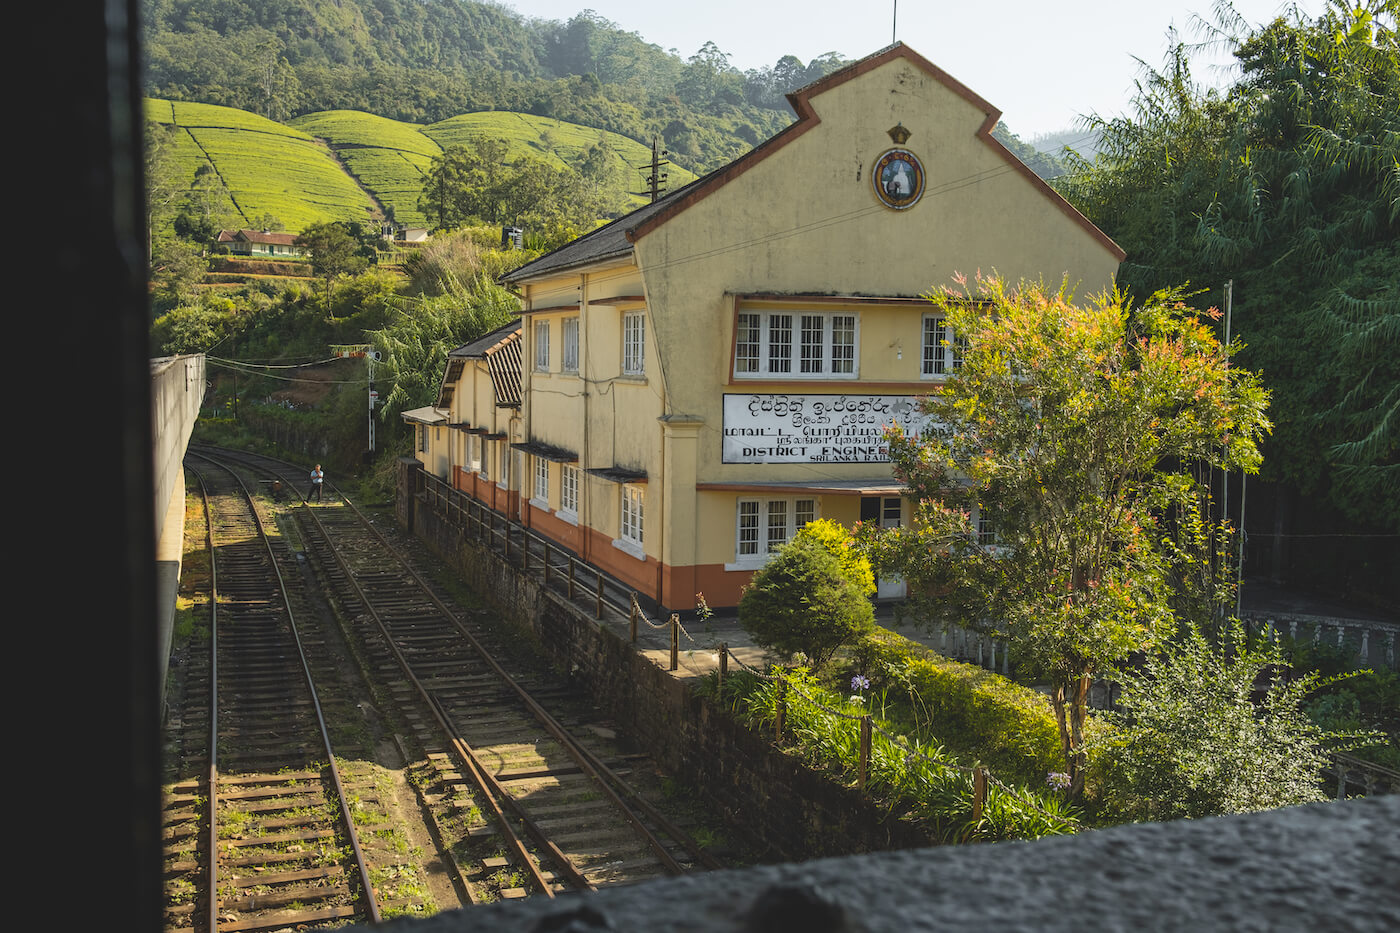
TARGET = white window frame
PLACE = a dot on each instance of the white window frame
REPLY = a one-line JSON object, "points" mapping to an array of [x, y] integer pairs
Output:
{"points": [[568, 493], [484, 464], [942, 352], [422, 438], [634, 343], [503, 479], [797, 344], [541, 346], [761, 525], [540, 499], [568, 331], [632, 520], [474, 453]]}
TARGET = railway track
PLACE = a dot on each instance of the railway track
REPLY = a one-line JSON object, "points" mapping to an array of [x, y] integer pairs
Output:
{"points": [[264, 838], [532, 793]]}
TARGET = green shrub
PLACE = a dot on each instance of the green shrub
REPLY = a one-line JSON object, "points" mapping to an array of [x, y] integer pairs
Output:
{"points": [[837, 539], [919, 776], [802, 601], [979, 714]]}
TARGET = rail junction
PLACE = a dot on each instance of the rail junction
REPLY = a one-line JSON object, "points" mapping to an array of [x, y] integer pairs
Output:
{"points": [[332, 660]]}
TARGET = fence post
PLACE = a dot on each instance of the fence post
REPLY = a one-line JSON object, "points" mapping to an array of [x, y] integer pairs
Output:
{"points": [[524, 550], [571, 576], [632, 618], [546, 563], [979, 793], [864, 752], [507, 530], [782, 707], [598, 611], [675, 640], [723, 662]]}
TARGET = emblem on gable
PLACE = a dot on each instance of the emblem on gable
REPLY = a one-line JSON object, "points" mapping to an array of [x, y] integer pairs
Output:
{"points": [[898, 178]]}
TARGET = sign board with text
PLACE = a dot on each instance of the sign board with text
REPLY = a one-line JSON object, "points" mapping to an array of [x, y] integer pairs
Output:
{"points": [[815, 428]]}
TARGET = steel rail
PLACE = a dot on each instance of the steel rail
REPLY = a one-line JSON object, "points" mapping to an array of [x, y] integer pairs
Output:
{"points": [[352, 834], [587, 762], [211, 778], [491, 790]]}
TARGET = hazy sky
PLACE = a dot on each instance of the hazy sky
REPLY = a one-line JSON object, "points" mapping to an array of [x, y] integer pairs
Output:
{"points": [[1042, 64]]}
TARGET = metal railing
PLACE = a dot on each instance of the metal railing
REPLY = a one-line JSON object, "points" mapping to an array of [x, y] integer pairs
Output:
{"points": [[560, 570]]}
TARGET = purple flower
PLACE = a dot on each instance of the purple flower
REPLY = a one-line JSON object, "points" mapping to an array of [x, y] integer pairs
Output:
{"points": [[1058, 780], [860, 682]]}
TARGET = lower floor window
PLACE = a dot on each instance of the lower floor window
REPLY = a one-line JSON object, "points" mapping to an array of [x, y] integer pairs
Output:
{"points": [[542, 481], [632, 514], [568, 489], [764, 525]]}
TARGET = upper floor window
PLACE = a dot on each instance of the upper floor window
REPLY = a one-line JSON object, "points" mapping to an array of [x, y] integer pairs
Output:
{"points": [[634, 332], [790, 345], [542, 346], [942, 349], [569, 331]]}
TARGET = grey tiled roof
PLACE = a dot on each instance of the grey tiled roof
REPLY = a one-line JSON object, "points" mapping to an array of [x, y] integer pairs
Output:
{"points": [[606, 242], [478, 347]]}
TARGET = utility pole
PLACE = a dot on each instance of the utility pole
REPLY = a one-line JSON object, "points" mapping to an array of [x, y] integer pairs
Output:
{"points": [[656, 181], [356, 351]]}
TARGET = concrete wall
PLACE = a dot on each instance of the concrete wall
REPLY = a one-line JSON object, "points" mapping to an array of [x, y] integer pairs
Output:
{"points": [[177, 390]]}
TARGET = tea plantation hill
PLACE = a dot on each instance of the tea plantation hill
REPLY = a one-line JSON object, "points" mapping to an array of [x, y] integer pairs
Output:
{"points": [[352, 166]]}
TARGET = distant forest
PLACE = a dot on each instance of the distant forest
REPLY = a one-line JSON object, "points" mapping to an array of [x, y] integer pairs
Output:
{"points": [[426, 60]]}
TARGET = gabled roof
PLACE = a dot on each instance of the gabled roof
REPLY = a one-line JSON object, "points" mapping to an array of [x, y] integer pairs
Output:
{"points": [[501, 351], [612, 240], [258, 236], [478, 348], [616, 239]]}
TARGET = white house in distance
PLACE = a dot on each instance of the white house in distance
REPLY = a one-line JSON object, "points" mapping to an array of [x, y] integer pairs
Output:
{"points": [[701, 377]]}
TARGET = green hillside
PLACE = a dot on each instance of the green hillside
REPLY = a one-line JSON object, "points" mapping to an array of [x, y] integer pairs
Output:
{"points": [[561, 143], [348, 165], [266, 168]]}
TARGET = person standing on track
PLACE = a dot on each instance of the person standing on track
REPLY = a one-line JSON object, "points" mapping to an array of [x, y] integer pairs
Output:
{"points": [[317, 478]]}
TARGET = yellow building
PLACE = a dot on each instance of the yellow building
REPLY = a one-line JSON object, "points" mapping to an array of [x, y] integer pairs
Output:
{"points": [[701, 377]]}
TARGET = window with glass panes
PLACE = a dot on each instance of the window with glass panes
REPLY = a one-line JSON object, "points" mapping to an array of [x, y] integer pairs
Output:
{"points": [[568, 489], [632, 514], [942, 350], [795, 345], [634, 343], [542, 346], [542, 480], [765, 524], [569, 332]]}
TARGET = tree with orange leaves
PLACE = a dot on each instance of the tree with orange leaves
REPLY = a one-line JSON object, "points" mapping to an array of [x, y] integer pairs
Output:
{"points": [[1085, 433]]}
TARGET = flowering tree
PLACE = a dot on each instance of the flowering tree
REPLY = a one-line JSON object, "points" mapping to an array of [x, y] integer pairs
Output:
{"points": [[1083, 432]]}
